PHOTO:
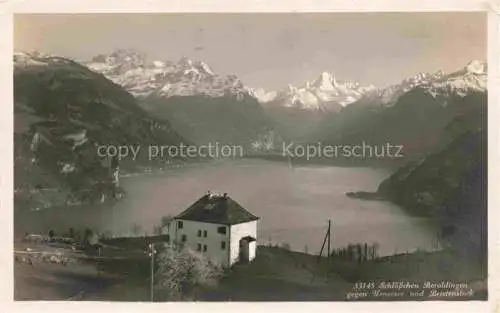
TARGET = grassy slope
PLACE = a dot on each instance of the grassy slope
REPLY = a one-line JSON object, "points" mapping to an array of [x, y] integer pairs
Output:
{"points": [[62, 100], [276, 275]]}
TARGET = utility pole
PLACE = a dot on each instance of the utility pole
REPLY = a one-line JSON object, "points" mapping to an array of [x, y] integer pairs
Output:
{"points": [[327, 236], [99, 264], [329, 239], [332, 235], [324, 242], [99, 261], [152, 253]]}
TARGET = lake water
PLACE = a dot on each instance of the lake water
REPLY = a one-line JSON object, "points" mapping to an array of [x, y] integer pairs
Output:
{"points": [[294, 205]]}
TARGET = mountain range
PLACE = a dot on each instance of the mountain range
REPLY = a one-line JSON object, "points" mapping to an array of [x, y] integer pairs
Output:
{"points": [[123, 98], [471, 78], [414, 115], [143, 77], [324, 108]]}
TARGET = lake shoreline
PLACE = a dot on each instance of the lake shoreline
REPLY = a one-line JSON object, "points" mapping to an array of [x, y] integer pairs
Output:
{"points": [[286, 192], [366, 195]]}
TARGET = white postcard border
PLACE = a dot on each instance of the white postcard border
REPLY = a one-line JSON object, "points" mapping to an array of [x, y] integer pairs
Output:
{"points": [[10, 7]]}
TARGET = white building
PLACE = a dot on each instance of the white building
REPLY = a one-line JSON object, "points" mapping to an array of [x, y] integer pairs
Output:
{"points": [[219, 228]]}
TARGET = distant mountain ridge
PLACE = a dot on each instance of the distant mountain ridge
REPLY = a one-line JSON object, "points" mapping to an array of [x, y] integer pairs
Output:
{"points": [[206, 107], [424, 97], [143, 77], [201, 105], [324, 93], [471, 78]]}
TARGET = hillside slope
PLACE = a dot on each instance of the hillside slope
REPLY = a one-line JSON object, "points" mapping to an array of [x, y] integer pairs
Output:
{"points": [[62, 113], [202, 119], [449, 186]]}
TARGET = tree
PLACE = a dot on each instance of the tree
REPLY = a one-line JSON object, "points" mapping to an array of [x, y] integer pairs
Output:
{"points": [[180, 273], [156, 230], [136, 229], [90, 238], [285, 246], [166, 220], [86, 235]]}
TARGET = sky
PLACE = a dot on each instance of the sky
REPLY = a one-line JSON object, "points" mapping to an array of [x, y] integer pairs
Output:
{"points": [[271, 50]]}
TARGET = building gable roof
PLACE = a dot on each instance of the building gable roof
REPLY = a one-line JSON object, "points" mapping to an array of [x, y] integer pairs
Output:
{"points": [[217, 209]]}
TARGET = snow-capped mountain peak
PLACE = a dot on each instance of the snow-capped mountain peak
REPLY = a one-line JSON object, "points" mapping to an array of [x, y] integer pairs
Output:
{"points": [[323, 93], [291, 88], [26, 59], [163, 78], [159, 64], [470, 78], [204, 66], [473, 77], [36, 58], [185, 61], [476, 67], [326, 81], [262, 95], [142, 77]]}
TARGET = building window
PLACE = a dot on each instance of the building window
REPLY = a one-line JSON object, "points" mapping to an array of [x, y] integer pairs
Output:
{"points": [[180, 224], [205, 233], [204, 248], [221, 230], [199, 247], [167, 238], [199, 233], [223, 245], [183, 238]]}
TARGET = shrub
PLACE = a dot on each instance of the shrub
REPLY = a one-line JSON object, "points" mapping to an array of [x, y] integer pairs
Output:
{"points": [[136, 229], [166, 220], [180, 273], [350, 271], [157, 230], [105, 235], [164, 226], [285, 246]]}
